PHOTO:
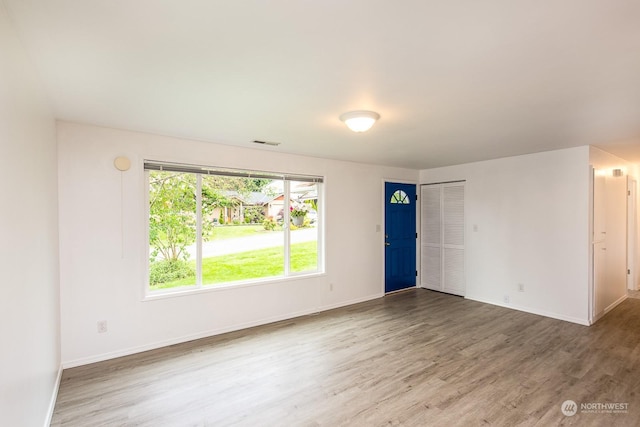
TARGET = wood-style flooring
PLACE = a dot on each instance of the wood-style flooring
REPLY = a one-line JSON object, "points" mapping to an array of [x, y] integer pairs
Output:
{"points": [[415, 358]]}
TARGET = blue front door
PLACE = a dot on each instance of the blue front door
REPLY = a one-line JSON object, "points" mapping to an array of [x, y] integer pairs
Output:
{"points": [[400, 236]]}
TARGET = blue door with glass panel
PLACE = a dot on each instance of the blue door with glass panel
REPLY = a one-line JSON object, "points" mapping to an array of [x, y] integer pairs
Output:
{"points": [[400, 236]]}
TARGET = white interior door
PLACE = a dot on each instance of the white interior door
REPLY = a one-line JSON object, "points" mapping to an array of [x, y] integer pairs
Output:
{"points": [[599, 242], [632, 282], [609, 241], [431, 237], [616, 262], [442, 237], [453, 238]]}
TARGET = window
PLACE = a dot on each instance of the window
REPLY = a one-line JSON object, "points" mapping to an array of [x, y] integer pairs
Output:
{"points": [[400, 197], [210, 226]]}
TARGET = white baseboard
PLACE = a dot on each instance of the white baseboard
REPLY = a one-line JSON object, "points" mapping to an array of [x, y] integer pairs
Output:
{"points": [[177, 340], [401, 290], [609, 308], [544, 313], [350, 302], [615, 303], [597, 317], [54, 397], [204, 334]]}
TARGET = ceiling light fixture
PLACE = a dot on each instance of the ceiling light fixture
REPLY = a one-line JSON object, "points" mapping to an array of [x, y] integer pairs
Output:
{"points": [[359, 121]]}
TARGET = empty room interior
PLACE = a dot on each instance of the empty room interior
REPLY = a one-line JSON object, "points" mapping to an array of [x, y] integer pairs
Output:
{"points": [[319, 213]]}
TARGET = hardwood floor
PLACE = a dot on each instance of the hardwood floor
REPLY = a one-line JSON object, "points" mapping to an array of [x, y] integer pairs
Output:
{"points": [[416, 358]]}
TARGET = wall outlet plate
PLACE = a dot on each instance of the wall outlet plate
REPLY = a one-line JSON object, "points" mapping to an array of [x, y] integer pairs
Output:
{"points": [[102, 326]]}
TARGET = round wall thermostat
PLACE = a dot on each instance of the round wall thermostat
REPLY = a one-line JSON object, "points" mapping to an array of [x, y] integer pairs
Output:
{"points": [[122, 163]]}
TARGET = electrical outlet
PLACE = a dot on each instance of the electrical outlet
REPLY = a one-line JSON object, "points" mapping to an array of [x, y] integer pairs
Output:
{"points": [[102, 326], [520, 287], [331, 286], [506, 299]]}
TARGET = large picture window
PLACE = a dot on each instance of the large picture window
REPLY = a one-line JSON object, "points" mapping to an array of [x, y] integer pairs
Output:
{"points": [[211, 226]]}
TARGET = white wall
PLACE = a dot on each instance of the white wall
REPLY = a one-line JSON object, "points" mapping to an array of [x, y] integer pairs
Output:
{"points": [[610, 210], [532, 217], [103, 260], [29, 306]]}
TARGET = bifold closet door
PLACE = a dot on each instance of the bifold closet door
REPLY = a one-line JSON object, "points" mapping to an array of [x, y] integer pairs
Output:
{"points": [[453, 239], [431, 239], [442, 237]]}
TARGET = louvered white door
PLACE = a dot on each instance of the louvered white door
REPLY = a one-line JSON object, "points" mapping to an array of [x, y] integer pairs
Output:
{"points": [[442, 237], [453, 238], [431, 239]]}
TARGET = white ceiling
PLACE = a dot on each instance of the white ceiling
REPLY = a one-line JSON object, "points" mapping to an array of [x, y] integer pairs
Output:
{"points": [[455, 81]]}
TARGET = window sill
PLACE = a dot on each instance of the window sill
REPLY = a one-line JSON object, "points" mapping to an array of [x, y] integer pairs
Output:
{"points": [[159, 295]]}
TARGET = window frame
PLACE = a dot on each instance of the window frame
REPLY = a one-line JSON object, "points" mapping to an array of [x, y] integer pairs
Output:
{"points": [[199, 171], [399, 197]]}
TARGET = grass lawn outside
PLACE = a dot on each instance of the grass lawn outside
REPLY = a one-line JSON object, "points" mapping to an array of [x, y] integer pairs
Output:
{"points": [[249, 265], [221, 232]]}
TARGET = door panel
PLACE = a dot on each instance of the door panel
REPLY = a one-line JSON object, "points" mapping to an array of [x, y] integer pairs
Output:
{"points": [[442, 232], [609, 241], [453, 271], [400, 236], [599, 244], [431, 268], [631, 234], [431, 238], [453, 215], [430, 216]]}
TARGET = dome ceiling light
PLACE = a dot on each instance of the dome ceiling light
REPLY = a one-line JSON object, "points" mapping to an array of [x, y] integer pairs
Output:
{"points": [[359, 121]]}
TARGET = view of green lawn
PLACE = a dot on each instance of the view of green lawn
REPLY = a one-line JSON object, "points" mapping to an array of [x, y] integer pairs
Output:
{"points": [[233, 231], [248, 265]]}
